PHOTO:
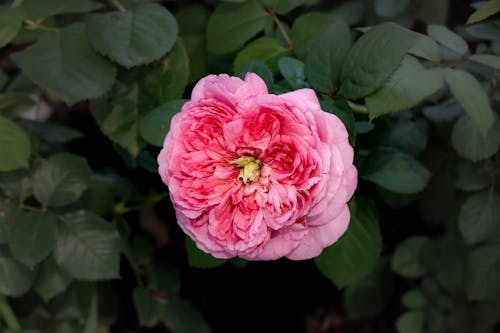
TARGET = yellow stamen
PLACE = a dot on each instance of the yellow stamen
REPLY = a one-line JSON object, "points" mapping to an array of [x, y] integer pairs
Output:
{"points": [[250, 168]]}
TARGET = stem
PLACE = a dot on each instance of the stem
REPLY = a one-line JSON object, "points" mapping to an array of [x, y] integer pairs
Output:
{"points": [[118, 5], [32, 25], [358, 108], [16, 3], [458, 62], [281, 29], [121, 209], [8, 315]]}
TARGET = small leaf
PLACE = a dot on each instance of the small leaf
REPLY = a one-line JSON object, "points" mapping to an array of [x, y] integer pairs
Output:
{"points": [[373, 58], [149, 310], [232, 25], [33, 237], [488, 9], [50, 281], [133, 37], [395, 171], [182, 317], [479, 216], [492, 61], [61, 180], [266, 50], [406, 258], [409, 85], [488, 31], [414, 299], [15, 278], [88, 247], [11, 24], [293, 72], [473, 176], [154, 126], [355, 254], [15, 146], [411, 322], [482, 272], [471, 96], [390, 8], [64, 62], [199, 259], [471, 144], [448, 38]]}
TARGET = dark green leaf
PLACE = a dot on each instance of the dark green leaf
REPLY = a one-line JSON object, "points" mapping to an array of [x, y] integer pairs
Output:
{"points": [[395, 171], [293, 72], [414, 299], [133, 37], [488, 9], [373, 58], [409, 136], [88, 247], [61, 180], [405, 260], [12, 103], [341, 109], [101, 194], [492, 61], [355, 254], [425, 47], [64, 62], [232, 25], [50, 281], [182, 317], [488, 31], [482, 272], [469, 142], [199, 259], [471, 96], [411, 322], [447, 38], [11, 24], [165, 277], [409, 85], [284, 6], [326, 56], [15, 146], [36, 9], [260, 69], [473, 176], [154, 126], [266, 50], [149, 310], [390, 8], [305, 28], [443, 112], [17, 185], [33, 237], [51, 133], [15, 278], [479, 216]]}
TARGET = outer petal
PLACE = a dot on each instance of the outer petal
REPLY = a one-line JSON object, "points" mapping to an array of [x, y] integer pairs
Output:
{"points": [[222, 87], [303, 97], [320, 237]]}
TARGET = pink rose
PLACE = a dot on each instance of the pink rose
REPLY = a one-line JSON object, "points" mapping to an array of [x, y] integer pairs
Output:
{"points": [[257, 175]]}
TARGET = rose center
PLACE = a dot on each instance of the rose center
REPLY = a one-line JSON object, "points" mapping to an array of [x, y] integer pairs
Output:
{"points": [[249, 168]]}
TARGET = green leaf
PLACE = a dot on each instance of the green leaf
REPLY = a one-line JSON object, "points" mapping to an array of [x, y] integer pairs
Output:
{"points": [[232, 25], [15, 278], [473, 176], [165, 277], [471, 144], [482, 272], [11, 24], [16, 185], [411, 322], [33, 237], [50, 280], [293, 72], [406, 258], [409, 85], [447, 111], [408, 136], [182, 317], [447, 38], [395, 171], [425, 47], [479, 216], [51, 133], [326, 56], [373, 58], [390, 8], [488, 31], [88, 247], [305, 28], [341, 109], [259, 68], [133, 37], [61, 180], [488, 9], [64, 62], [36, 9], [15, 146], [492, 61], [154, 126], [266, 50], [414, 299], [355, 254], [101, 193], [471, 96], [12, 103], [199, 259], [149, 310]]}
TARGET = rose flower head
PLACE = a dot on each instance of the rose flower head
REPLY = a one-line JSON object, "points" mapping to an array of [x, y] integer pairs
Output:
{"points": [[257, 175]]}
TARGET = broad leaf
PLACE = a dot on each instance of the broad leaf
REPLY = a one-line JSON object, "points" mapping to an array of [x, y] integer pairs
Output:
{"points": [[15, 146], [409, 85], [51, 133], [64, 62], [414, 299], [473, 176], [471, 144], [326, 56], [406, 258], [471, 96], [15, 278], [355, 254], [293, 72], [199, 259], [425, 47], [395, 171], [33, 237], [482, 272], [373, 58], [154, 126], [443, 112], [133, 37], [408, 136], [36, 9], [390, 8], [488, 9], [492, 61], [182, 317], [164, 277], [306, 28], [479, 216], [411, 322], [50, 280], [88, 247], [447, 38], [232, 25], [266, 50], [61, 180], [149, 310], [11, 24]]}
